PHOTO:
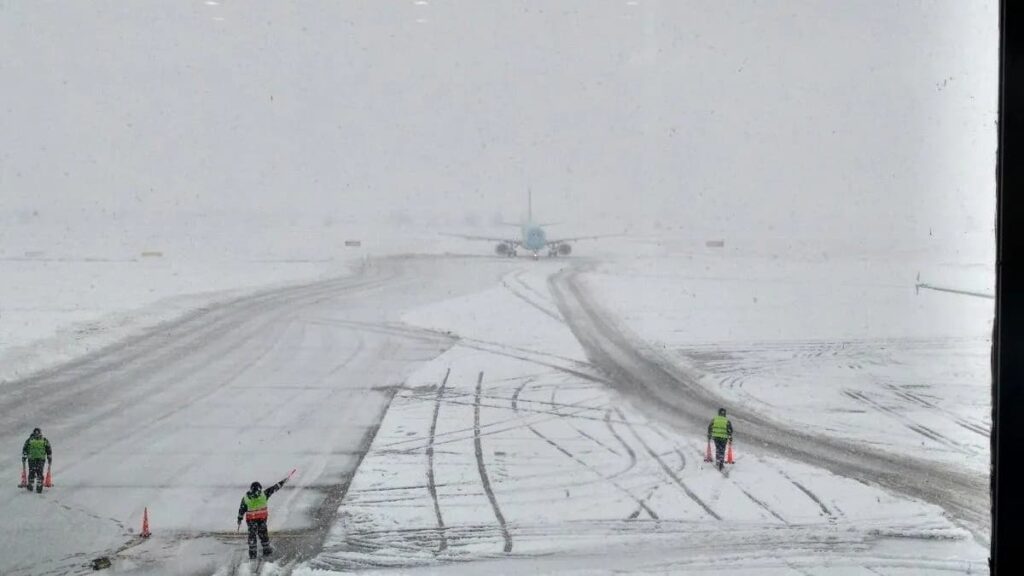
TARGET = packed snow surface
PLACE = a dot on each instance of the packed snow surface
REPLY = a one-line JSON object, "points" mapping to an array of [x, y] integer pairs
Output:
{"points": [[197, 198], [510, 445], [443, 414]]}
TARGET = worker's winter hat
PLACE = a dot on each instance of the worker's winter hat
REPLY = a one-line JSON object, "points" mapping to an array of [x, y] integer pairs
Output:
{"points": [[721, 411], [36, 432], [255, 487]]}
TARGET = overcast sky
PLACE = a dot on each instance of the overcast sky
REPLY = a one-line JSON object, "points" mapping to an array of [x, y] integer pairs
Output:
{"points": [[807, 118]]}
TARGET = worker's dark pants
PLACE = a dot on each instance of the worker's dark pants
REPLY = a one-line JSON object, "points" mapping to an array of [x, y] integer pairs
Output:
{"points": [[35, 472], [720, 444], [258, 528]]}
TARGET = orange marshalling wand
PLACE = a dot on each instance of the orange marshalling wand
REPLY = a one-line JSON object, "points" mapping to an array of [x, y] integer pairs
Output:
{"points": [[145, 523]]}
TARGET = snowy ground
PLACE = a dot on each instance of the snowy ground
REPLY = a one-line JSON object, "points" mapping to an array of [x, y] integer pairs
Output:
{"points": [[183, 185], [54, 310], [75, 285], [444, 414], [511, 445], [181, 419], [844, 347]]}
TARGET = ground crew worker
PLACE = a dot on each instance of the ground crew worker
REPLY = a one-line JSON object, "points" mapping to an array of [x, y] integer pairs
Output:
{"points": [[36, 452], [720, 430], [254, 509]]}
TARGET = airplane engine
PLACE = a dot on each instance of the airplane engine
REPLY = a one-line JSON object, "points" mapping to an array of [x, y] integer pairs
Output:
{"points": [[564, 249], [502, 249]]}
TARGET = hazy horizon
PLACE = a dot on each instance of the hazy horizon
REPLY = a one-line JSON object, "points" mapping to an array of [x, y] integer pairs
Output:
{"points": [[817, 120]]}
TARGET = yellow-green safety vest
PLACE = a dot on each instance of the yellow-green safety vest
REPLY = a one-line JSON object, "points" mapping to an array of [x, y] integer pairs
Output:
{"points": [[720, 427], [37, 448], [255, 508]]}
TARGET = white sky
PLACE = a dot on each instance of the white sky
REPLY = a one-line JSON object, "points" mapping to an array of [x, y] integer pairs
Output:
{"points": [[814, 119]]}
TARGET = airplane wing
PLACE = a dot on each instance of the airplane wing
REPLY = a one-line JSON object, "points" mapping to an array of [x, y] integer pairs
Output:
{"points": [[511, 241], [577, 238]]}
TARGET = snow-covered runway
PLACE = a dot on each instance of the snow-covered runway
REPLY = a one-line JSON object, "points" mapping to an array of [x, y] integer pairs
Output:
{"points": [[181, 420], [444, 413], [669, 387], [512, 445]]}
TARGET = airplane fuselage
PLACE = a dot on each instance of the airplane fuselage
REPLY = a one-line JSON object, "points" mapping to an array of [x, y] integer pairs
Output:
{"points": [[534, 239]]}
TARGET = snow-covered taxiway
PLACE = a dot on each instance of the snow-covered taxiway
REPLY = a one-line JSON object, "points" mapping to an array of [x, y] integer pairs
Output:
{"points": [[470, 415]]}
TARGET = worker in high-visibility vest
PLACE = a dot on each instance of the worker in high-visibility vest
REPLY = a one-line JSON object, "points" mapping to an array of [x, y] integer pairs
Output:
{"points": [[720, 430], [254, 510], [36, 452]]}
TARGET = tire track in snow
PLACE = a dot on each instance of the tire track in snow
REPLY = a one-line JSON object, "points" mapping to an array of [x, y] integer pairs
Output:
{"points": [[509, 351], [763, 505], [84, 378], [484, 479], [970, 426], [760, 503], [522, 296], [974, 428], [552, 412], [907, 422], [431, 484], [650, 494], [675, 447], [515, 400], [674, 392], [546, 298], [469, 395], [492, 428], [640, 501], [625, 446], [515, 395], [91, 514], [675, 477], [682, 466], [579, 430], [232, 373], [498, 348], [231, 319], [410, 331], [807, 491], [798, 569], [360, 345]]}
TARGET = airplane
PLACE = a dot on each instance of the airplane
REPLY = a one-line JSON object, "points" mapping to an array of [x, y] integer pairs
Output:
{"points": [[532, 238]]}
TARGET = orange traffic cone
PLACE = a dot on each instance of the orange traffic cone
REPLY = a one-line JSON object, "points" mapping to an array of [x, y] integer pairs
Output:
{"points": [[49, 481], [145, 523], [707, 454], [728, 454], [24, 479]]}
